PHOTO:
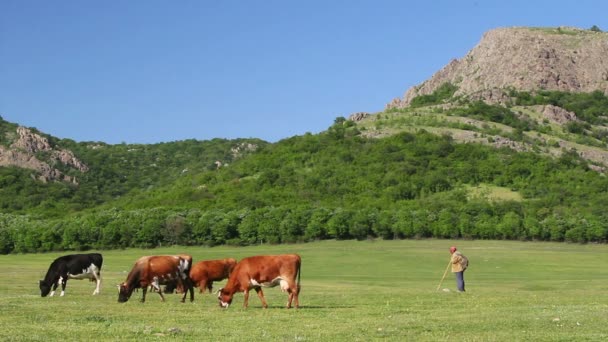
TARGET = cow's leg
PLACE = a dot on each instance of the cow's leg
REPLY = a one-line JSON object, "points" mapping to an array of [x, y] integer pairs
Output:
{"points": [[293, 298], [210, 286], [298, 288], [187, 286], [191, 289], [64, 281], [261, 295], [294, 291], [144, 289], [296, 296], [54, 288], [188, 289], [97, 276], [203, 285], [289, 298], [155, 284], [246, 298]]}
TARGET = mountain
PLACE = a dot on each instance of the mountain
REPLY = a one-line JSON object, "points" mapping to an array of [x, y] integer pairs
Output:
{"points": [[527, 59], [529, 89]]}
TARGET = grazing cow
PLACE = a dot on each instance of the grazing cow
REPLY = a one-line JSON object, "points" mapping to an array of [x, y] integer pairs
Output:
{"points": [[74, 266], [204, 273], [267, 271], [155, 271]]}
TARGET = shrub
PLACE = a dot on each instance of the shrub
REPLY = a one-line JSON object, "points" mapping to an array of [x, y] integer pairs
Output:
{"points": [[444, 92]]}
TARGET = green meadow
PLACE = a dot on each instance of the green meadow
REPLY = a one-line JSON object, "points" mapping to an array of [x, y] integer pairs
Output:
{"points": [[351, 291]]}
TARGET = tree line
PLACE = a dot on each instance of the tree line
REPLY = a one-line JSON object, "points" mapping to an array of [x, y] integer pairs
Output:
{"points": [[148, 228]]}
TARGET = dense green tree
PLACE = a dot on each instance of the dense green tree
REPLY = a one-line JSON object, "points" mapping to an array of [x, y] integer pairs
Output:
{"points": [[383, 226], [509, 227], [248, 228], [294, 224], [316, 229], [338, 224]]}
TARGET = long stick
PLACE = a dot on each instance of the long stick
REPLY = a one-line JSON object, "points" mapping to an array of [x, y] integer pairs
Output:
{"points": [[444, 273]]}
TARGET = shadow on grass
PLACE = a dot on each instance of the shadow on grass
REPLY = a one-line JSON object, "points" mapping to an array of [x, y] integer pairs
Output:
{"points": [[306, 307]]}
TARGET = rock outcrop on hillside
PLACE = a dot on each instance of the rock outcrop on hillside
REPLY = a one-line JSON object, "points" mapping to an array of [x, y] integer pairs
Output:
{"points": [[525, 59], [27, 144]]}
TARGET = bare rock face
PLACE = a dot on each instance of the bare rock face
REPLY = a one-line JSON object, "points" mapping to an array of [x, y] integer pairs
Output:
{"points": [[30, 142], [22, 153], [355, 117], [525, 59], [556, 114], [239, 149]]}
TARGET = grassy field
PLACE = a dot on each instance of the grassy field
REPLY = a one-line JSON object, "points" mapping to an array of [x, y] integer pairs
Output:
{"points": [[351, 291]]}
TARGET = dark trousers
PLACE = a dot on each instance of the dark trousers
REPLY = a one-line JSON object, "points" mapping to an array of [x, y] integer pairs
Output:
{"points": [[460, 280]]}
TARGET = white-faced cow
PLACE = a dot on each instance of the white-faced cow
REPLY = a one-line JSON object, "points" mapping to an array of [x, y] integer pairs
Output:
{"points": [[205, 272], [155, 271], [74, 266], [263, 271]]}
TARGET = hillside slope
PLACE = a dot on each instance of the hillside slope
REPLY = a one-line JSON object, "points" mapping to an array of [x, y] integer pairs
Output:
{"points": [[42, 173]]}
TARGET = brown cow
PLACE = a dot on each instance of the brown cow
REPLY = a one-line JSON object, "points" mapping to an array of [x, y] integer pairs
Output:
{"points": [[155, 271], [267, 271], [204, 273]]}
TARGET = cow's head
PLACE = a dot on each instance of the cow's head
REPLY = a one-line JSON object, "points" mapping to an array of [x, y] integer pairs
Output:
{"points": [[124, 292], [225, 298], [174, 287], [45, 288], [170, 288]]}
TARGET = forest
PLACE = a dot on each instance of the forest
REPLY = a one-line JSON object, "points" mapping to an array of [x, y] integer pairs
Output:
{"points": [[337, 184]]}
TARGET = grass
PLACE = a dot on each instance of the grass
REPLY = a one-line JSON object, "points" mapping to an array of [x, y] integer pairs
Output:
{"points": [[351, 291], [493, 193]]}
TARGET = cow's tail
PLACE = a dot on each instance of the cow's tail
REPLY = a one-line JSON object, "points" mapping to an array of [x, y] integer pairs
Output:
{"points": [[299, 273]]}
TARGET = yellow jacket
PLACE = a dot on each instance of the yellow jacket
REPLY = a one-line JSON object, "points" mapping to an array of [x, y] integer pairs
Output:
{"points": [[456, 259]]}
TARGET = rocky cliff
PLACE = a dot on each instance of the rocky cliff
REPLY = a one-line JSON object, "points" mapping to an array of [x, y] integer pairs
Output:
{"points": [[24, 152], [528, 59]]}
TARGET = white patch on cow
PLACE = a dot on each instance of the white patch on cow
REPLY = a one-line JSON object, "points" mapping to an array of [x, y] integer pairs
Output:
{"points": [[183, 266], [284, 285], [276, 281], [52, 294], [62, 293], [254, 282], [87, 273]]}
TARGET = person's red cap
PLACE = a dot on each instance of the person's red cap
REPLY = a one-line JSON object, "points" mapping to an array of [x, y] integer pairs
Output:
{"points": [[452, 249]]}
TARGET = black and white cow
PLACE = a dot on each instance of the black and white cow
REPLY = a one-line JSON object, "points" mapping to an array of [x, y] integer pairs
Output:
{"points": [[74, 266]]}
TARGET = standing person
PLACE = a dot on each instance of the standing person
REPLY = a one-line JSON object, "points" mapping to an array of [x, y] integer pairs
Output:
{"points": [[459, 265]]}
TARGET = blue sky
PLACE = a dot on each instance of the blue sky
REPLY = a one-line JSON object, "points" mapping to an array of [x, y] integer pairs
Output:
{"points": [[151, 71]]}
